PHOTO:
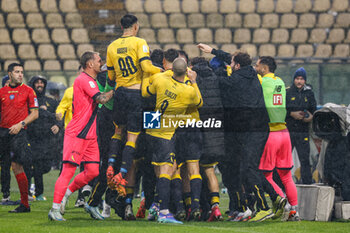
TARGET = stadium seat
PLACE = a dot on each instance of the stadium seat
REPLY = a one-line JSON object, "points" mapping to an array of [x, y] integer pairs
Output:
{"points": [[9, 6], [184, 36], [317, 35], [270, 21], [148, 34], [223, 36], [302, 6], [233, 21], [250, 49], [196, 20], [177, 20], [267, 50], [192, 50], [32, 65], [66, 51], [80, 35], [165, 35], [73, 20], [48, 6], [29, 6], [204, 35], [321, 5], [284, 6], [35, 20], [286, 50], [59, 79], [4, 36], [227, 6], [52, 65], [307, 21], [171, 46], [20, 35], [347, 39], [299, 36], [246, 6], [341, 50], [305, 50], [40, 35], [7, 51], [153, 6], [154, 46], [8, 62], [325, 20], [54, 20], [208, 56], [340, 5], [71, 79], [190, 6], [134, 6], [68, 6], [289, 21], [209, 6], [143, 20], [336, 35], [323, 51], [15, 20], [171, 6], [26, 51], [241, 36], [83, 48], [251, 21], [261, 36], [266, 6], [46, 52], [71, 65], [229, 48], [343, 20], [2, 21], [159, 20], [215, 20], [280, 35], [60, 35]]}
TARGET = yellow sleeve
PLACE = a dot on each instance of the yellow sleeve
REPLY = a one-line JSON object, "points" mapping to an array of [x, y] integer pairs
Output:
{"points": [[144, 84], [110, 65], [66, 102], [198, 92], [150, 89], [144, 58]]}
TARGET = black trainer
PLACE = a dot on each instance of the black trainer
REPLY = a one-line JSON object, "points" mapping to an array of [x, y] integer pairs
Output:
{"points": [[20, 209]]}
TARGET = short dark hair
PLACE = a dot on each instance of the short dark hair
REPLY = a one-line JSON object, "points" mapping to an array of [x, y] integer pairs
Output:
{"points": [[171, 54], [157, 56], [183, 53], [242, 58], [269, 61], [199, 61], [128, 20], [12, 66], [87, 56]]}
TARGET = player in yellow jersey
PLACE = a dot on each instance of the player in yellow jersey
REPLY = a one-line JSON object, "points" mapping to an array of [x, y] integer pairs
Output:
{"points": [[173, 99], [127, 58]]}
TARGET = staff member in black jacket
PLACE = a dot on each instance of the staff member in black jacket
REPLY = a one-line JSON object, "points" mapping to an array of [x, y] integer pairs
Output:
{"points": [[301, 105]]}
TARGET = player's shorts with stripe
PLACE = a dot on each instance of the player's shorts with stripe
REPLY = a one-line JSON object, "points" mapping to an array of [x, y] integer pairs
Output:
{"points": [[77, 150], [127, 109], [16, 146], [277, 152], [188, 145], [161, 150]]}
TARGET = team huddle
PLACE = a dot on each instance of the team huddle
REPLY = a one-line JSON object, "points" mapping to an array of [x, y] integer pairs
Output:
{"points": [[235, 116]]}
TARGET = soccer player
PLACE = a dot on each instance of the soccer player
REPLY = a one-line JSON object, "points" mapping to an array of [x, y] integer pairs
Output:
{"points": [[127, 58], [278, 149], [16, 101], [80, 139], [173, 98]]}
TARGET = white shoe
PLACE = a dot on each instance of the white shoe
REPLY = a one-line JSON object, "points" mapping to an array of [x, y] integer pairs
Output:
{"points": [[31, 198], [5, 199], [106, 213], [63, 204], [55, 215], [94, 212]]}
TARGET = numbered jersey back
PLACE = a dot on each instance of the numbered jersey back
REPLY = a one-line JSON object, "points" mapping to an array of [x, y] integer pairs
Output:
{"points": [[124, 55]]}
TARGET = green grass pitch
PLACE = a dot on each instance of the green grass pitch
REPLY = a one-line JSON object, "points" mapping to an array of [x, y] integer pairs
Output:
{"points": [[78, 221]]}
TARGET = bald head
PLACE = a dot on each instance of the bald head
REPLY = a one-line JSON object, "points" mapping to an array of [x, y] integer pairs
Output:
{"points": [[179, 67]]}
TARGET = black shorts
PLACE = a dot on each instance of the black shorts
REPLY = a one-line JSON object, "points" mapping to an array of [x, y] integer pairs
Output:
{"points": [[127, 109], [141, 146], [15, 146], [161, 150], [188, 145]]}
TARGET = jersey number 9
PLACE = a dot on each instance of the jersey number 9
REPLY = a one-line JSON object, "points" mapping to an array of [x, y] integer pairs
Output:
{"points": [[127, 66]]}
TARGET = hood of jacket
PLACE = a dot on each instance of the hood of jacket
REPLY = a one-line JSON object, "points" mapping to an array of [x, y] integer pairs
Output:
{"points": [[36, 78]]}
